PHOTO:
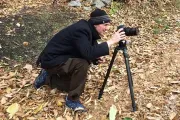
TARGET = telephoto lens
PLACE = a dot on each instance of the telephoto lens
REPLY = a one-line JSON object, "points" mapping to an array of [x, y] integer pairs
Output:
{"points": [[129, 31]]}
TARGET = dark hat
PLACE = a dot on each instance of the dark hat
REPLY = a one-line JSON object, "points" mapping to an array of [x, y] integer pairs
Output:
{"points": [[99, 16]]}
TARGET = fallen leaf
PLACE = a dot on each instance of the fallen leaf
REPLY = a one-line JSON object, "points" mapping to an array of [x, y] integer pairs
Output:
{"points": [[153, 116], [9, 95], [173, 116], [109, 89], [18, 24], [89, 117], [3, 100], [149, 105], [116, 98], [59, 103], [88, 101], [68, 117], [31, 118], [8, 90], [12, 109], [16, 65], [55, 113], [28, 67], [39, 108], [60, 118], [176, 91], [27, 94], [53, 91], [25, 43], [175, 82], [112, 112]]}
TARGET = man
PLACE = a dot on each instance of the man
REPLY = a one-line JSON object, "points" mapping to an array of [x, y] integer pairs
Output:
{"points": [[67, 56]]}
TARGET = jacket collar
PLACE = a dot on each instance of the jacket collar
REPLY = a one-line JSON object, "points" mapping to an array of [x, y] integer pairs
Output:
{"points": [[95, 34]]}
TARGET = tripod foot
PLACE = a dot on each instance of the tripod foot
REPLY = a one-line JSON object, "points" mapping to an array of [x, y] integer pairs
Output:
{"points": [[134, 108]]}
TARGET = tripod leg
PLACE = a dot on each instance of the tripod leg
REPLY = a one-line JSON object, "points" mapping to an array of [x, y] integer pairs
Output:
{"points": [[108, 72], [130, 82], [126, 57]]}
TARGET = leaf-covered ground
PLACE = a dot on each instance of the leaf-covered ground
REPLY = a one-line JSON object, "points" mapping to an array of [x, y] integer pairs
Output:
{"points": [[154, 60]]}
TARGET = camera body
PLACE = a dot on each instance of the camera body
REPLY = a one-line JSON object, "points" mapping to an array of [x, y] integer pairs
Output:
{"points": [[129, 31]]}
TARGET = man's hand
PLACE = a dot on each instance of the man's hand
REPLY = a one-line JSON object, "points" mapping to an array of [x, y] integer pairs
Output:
{"points": [[99, 60], [116, 37]]}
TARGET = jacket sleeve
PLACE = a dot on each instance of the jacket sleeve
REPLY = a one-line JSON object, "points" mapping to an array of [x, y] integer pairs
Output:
{"points": [[87, 50]]}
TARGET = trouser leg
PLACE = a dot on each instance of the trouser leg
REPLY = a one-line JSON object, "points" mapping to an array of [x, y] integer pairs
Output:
{"points": [[70, 76]]}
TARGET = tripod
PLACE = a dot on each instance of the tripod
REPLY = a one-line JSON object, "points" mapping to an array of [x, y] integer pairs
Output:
{"points": [[122, 46]]}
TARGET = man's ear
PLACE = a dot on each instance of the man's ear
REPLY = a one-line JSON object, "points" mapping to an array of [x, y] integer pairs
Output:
{"points": [[96, 26]]}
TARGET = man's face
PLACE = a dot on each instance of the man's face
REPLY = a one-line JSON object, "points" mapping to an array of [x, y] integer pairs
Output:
{"points": [[102, 28]]}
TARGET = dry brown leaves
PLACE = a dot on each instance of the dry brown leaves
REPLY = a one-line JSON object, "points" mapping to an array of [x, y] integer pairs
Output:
{"points": [[13, 7], [155, 65]]}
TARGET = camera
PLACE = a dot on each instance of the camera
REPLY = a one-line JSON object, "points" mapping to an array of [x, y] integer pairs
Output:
{"points": [[129, 31]]}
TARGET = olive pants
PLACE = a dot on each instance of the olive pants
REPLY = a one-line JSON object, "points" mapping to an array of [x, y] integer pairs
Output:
{"points": [[70, 77]]}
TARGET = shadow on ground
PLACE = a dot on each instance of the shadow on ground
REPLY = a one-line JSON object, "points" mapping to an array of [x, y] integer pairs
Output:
{"points": [[23, 36]]}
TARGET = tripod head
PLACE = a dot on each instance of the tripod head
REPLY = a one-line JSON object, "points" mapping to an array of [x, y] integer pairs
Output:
{"points": [[122, 43]]}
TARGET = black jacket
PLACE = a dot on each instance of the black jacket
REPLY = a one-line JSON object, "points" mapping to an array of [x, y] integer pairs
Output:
{"points": [[76, 41]]}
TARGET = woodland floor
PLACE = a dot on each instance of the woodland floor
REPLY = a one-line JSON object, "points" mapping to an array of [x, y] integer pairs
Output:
{"points": [[154, 61]]}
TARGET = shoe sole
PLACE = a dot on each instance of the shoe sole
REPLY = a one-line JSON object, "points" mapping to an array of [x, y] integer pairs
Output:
{"points": [[80, 110]]}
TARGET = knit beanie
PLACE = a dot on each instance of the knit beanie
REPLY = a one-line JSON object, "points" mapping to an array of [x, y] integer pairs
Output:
{"points": [[99, 16]]}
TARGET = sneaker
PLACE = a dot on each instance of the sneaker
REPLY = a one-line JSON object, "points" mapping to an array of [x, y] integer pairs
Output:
{"points": [[75, 105], [40, 79]]}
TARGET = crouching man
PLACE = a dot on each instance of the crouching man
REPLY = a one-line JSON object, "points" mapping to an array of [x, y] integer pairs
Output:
{"points": [[67, 56]]}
